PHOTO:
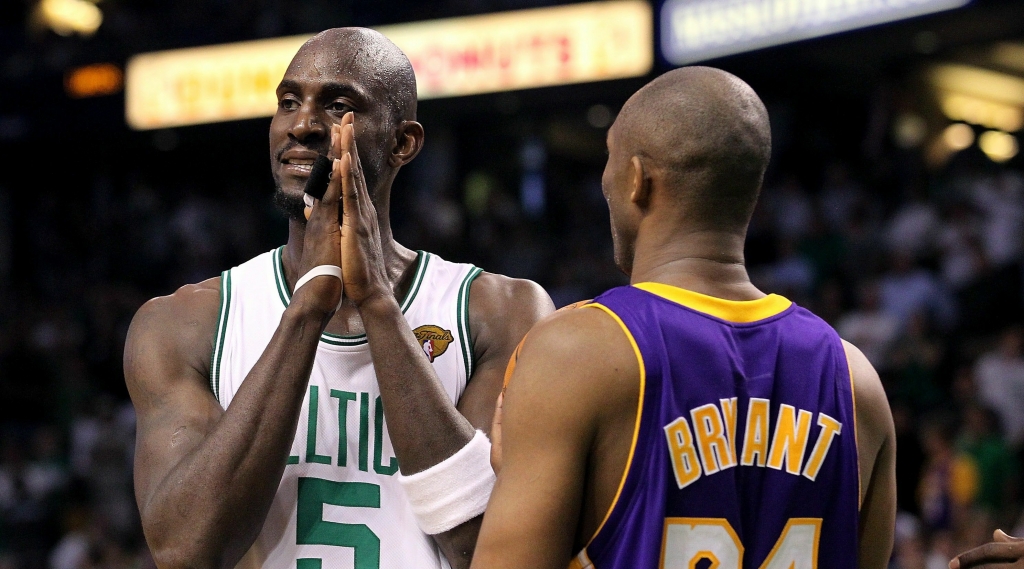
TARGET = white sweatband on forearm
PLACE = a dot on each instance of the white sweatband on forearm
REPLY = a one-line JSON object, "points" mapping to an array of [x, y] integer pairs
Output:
{"points": [[454, 490], [321, 271]]}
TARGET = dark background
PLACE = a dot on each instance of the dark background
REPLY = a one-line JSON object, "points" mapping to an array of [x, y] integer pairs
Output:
{"points": [[918, 261]]}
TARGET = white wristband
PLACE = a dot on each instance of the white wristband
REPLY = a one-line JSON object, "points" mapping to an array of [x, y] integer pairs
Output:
{"points": [[320, 271], [454, 490]]}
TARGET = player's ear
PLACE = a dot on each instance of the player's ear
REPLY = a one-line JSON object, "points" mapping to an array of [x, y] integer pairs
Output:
{"points": [[639, 182], [408, 142]]}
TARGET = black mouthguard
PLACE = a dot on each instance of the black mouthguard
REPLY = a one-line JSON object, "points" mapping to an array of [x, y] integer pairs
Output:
{"points": [[319, 177]]}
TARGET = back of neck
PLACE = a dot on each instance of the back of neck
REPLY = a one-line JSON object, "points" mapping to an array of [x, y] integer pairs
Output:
{"points": [[704, 261]]}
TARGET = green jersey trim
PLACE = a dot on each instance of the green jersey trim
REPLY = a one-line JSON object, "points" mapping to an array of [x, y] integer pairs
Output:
{"points": [[463, 320], [282, 286], [422, 259], [222, 326]]}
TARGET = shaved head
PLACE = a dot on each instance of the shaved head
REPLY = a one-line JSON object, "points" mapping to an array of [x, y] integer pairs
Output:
{"points": [[708, 133], [380, 63]]}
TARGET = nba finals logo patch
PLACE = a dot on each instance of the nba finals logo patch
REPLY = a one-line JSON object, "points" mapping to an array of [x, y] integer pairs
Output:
{"points": [[433, 339]]}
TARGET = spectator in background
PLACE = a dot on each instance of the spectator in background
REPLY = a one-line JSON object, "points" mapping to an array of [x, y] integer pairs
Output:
{"points": [[912, 230], [869, 327], [908, 289], [910, 552], [949, 482], [1001, 199], [840, 196], [862, 241], [824, 248], [997, 466], [791, 275], [30, 492], [790, 208], [913, 363], [1000, 378], [962, 258]]}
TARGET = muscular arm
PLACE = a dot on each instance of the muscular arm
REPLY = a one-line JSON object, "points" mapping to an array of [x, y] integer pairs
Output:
{"points": [[574, 388], [205, 477], [876, 448], [424, 426]]}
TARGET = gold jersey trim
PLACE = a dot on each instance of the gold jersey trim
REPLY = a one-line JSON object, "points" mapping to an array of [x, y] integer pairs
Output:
{"points": [[636, 426], [736, 311]]}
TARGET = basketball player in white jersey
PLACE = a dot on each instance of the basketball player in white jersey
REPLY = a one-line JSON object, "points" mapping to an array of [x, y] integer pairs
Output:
{"points": [[279, 429]]}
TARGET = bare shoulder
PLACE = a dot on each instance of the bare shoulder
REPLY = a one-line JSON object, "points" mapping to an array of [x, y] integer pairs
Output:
{"points": [[872, 404], [502, 309], [876, 434], [173, 331], [491, 292], [583, 344], [576, 373]]}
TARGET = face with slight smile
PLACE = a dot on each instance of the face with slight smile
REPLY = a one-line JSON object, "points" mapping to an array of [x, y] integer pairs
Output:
{"points": [[323, 83]]}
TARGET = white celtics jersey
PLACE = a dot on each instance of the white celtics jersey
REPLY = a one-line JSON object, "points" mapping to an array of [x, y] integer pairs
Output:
{"points": [[339, 505]]}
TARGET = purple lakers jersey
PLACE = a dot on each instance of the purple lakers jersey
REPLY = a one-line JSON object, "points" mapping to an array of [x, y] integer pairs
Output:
{"points": [[744, 454]]}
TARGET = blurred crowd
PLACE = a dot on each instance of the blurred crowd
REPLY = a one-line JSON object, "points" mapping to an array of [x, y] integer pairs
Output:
{"points": [[921, 268], [929, 286]]}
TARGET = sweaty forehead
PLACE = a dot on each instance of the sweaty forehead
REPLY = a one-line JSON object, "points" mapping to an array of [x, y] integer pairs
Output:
{"points": [[332, 62], [362, 59]]}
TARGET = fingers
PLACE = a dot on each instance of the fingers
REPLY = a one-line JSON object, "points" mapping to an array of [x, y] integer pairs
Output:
{"points": [[1002, 537], [326, 208], [355, 198], [990, 553], [348, 199], [348, 146], [334, 151], [335, 188]]}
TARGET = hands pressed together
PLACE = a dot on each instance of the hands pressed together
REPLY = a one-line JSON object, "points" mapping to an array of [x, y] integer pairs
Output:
{"points": [[353, 244]]}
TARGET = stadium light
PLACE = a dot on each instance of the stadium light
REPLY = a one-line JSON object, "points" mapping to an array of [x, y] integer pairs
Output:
{"points": [[980, 83], [67, 17], [958, 136], [980, 96], [998, 146], [93, 80], [984, 112]]}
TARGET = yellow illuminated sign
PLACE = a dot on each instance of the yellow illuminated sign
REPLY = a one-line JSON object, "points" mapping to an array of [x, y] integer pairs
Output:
{"points": [[206, 84], [530, 48], [458, 56]]}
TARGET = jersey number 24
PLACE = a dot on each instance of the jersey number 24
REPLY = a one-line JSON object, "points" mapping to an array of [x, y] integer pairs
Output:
{"points": [[688, 541]]}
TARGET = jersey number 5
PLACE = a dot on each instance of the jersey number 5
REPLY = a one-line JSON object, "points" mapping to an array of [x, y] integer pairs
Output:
{"points": [[688, 541], [312, 529]]}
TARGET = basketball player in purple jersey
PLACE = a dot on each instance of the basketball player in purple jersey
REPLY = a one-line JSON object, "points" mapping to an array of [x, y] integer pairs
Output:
{"points": [[689, 420]]}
